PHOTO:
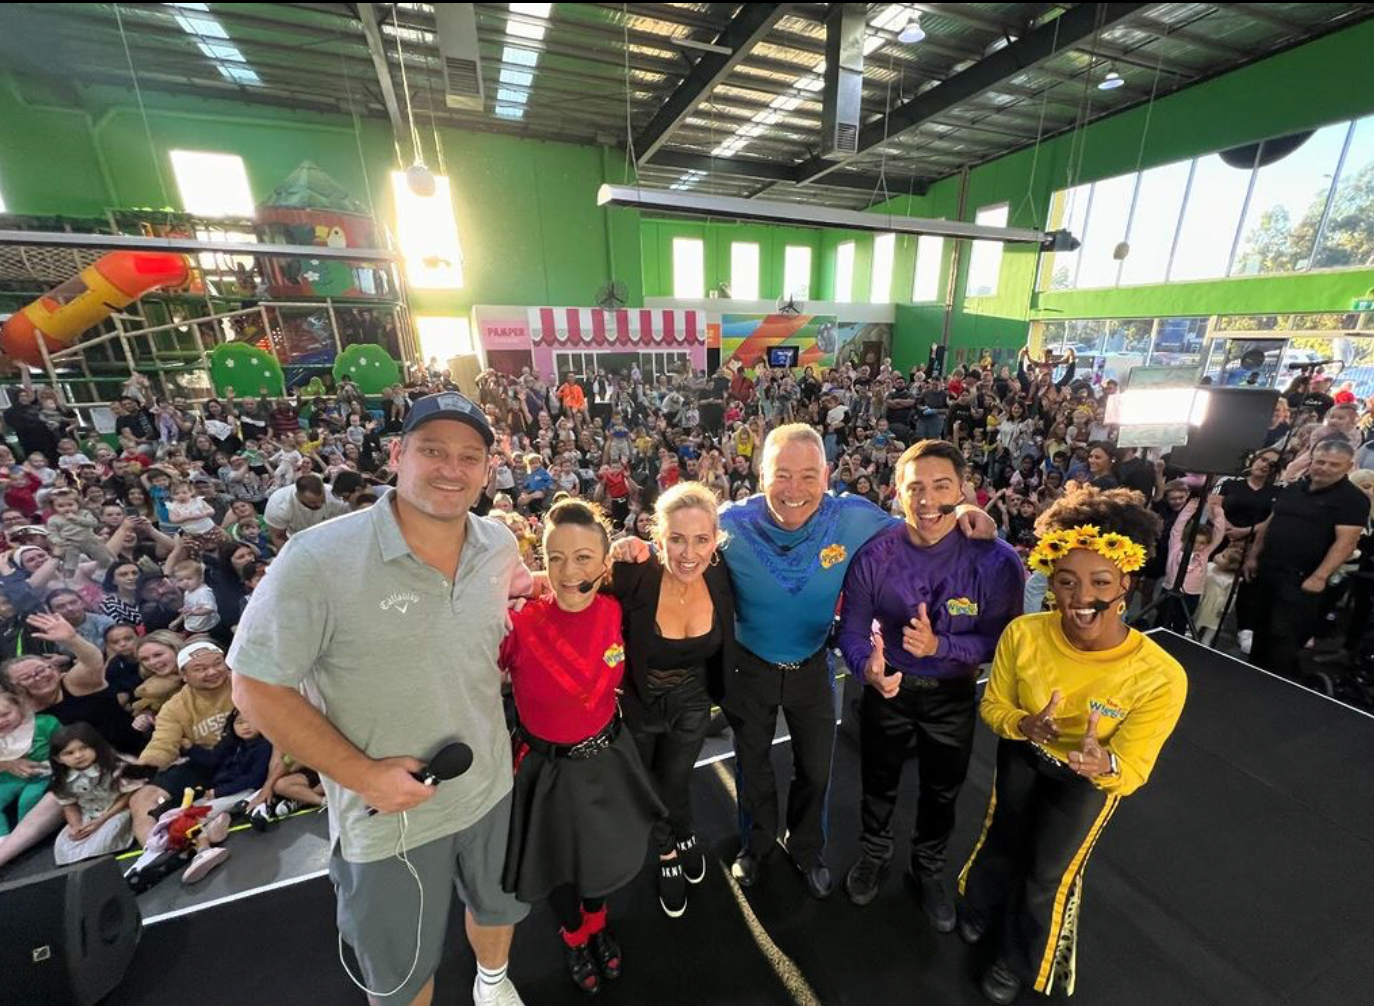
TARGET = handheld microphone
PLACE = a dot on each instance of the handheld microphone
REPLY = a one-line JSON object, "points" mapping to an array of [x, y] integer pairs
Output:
{"points": [[451, 761]]}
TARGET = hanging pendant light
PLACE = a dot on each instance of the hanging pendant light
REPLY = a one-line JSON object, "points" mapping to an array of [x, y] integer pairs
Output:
{"points": [[912, 32], [1111, 81]]}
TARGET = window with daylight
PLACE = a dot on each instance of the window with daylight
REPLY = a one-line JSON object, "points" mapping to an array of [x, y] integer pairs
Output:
{"points": [[985, 261], [925, 288], [689, 268], [744, 270], [1211, 217], [844, 273], [428, 235], [212, 185], [796, 272], [443, 336], [880, 284], [1158, 203], [1104, 230]]}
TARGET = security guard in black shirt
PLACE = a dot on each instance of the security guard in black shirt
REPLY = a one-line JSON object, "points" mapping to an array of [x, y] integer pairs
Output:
{"points": [[1314, 528]]}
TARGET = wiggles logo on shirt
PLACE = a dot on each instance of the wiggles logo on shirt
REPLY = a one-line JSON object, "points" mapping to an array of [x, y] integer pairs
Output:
{"points": [[957, 606], [832, 554], [614, 654], [1107, 708]]}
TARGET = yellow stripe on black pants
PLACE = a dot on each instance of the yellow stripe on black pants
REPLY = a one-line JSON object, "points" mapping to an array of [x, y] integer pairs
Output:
{"points": [[1042, 825]]}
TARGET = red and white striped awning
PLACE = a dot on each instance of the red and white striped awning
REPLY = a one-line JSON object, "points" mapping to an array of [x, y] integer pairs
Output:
{"points": [[634, 328]]}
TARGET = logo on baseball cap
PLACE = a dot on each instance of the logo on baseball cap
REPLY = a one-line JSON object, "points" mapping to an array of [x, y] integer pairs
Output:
{"points": [[449, 405]]}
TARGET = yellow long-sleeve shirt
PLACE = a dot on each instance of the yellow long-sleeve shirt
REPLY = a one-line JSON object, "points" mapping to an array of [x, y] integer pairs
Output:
{"points": [[1137, 689], [192, 716]]}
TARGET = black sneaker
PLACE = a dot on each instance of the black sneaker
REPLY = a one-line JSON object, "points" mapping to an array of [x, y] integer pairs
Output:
{"points": [[672, 888], [1000, 984], [606, 953], [935, 899], [745, 869], [972, 925], [693, 860], [864, 879], [582, 969]]}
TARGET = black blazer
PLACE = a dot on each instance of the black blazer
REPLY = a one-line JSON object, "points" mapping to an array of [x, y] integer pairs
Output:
{"points": [[636, 585]]}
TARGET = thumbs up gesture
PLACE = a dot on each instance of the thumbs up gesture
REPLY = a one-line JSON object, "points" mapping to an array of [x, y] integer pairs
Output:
{"points": [[1040, 728], [918, 638], [1091, 759]]}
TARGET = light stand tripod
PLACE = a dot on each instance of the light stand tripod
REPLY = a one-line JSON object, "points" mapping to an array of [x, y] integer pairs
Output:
{"points": [[1173, 594]]}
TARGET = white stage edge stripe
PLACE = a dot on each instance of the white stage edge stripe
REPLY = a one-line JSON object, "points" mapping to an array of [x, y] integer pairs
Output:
{"points": [[1261, 670], [177, 913]]}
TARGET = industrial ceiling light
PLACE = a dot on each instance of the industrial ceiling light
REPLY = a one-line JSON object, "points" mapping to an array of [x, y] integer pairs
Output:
{"points": [[913, 32], [810, 214], [1112, 81]]}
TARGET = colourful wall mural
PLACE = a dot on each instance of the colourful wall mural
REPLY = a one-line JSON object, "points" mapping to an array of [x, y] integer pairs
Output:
{"points": [[821, 340]]}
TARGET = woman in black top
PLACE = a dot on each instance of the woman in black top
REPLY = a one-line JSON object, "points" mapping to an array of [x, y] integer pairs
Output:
{"points": [[679, 618], [1246, 503]]}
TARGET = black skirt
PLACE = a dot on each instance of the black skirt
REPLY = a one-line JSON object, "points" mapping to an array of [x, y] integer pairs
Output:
{"points": [[580, 822]]}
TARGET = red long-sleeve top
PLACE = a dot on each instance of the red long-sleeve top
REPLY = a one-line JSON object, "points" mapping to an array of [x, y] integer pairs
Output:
{"points": [[565, 667]]}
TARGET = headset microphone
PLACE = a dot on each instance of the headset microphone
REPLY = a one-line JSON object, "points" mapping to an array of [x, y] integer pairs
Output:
{"points": [[587, 586], [1101, 606], [947, 508]]}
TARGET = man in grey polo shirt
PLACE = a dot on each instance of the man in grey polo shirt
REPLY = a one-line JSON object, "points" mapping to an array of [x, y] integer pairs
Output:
{"points": [[390, 620]]}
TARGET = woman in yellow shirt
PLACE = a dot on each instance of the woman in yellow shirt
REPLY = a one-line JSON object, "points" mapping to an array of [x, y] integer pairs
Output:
{"points": [[1083, 704]]}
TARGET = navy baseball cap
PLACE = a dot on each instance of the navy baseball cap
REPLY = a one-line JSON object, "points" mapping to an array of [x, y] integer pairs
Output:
{"points": [[449, 405]]}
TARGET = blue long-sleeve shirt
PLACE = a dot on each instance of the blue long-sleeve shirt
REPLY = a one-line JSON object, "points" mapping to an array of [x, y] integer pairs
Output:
{"points": [[971, 589], [787, 583]]}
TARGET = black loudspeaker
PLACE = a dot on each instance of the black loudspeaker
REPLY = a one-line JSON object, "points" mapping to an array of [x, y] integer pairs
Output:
{"points": [[66, 937], [1236, 423]]}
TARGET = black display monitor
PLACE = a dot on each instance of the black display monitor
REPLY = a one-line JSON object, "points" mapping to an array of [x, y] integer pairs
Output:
{"points": [[783, 356]]}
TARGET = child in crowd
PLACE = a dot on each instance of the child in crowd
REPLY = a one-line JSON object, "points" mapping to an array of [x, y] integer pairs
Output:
{"points": [[1221, 575], [287, 464], [25, 741], [69, 456], [193, 515], [199, 612], [89, 782], [121, 662], [72, 531], [159, 483]]}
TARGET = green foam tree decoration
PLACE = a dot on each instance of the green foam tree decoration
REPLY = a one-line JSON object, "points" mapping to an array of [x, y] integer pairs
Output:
{"points": [[246, 370], [370, 366]]}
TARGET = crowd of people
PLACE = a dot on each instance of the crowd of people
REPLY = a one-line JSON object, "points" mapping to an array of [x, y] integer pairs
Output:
{"points": [[683, 540]]}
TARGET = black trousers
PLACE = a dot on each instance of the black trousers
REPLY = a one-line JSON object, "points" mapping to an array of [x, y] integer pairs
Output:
{"points": [[806, 697], [1286, 616], [669, 729], [936, 718], [1025, 873]]}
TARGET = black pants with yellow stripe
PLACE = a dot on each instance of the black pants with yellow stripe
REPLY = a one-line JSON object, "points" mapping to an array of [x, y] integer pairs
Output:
{"points": [[1025, 875]]}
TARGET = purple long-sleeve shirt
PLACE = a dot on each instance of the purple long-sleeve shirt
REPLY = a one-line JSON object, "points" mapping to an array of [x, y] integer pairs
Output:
{"points": [[971, 589]]}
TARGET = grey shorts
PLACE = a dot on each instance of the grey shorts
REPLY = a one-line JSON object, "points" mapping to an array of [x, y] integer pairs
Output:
{"points": [[379, 903]]}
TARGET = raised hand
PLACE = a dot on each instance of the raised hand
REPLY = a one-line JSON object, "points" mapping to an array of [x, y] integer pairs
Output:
{"points": [[1091, 759], [629, 550], [1040, 728], [51, 628], [918, 638]]}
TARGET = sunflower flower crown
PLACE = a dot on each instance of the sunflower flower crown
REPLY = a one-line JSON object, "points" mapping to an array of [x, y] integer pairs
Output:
{"points": [[1127, 555]]}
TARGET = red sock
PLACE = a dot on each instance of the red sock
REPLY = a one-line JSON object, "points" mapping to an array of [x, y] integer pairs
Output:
{"points": [[593, 922], [579, 936]]}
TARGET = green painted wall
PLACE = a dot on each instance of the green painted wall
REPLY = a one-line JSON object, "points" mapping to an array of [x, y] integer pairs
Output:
{"points": [[527, 217]]}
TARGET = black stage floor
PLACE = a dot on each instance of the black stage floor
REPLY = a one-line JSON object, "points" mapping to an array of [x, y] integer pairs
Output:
{"points": [[1243, 874]]}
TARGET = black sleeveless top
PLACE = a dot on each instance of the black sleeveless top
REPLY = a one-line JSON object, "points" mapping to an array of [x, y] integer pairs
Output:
{"points": [[672, 662], [101, 710]]}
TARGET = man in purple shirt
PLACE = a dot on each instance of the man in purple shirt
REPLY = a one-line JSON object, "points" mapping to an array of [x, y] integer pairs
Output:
{"points": [[941, 601]]}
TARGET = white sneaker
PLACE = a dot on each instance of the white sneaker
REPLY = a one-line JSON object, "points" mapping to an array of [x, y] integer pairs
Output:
{"points": [[1244, 638], [495, 995]]}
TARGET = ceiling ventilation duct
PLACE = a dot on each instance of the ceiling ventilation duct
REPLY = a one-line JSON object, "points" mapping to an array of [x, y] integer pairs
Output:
{"points": [[456, 27], [842, 96]]}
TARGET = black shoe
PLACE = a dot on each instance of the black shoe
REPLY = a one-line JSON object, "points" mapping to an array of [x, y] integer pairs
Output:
{"points": [[818, 881], [1000, 984], [672, 887], [745, 868], [935, 900], [864, 879], [582, 969], [693, 860], [972, 925], [606, 953]]}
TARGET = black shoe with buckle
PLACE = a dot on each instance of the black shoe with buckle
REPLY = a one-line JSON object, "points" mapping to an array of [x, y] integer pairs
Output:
{"points": [[935, 900], [1000, 984], [972, 925], [606, 953], [693, 860], [864, 879], [582, 969], [672, 887], [745, 868]]}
